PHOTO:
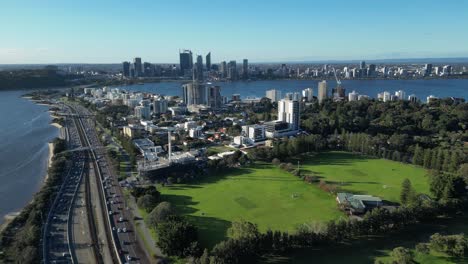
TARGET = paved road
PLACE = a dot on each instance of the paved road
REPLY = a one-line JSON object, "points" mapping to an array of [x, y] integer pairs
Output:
{"points": [[118, 214]]}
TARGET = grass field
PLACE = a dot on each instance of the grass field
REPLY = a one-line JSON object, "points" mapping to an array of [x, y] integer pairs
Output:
{"points": [[275, 199], [358, 174]]}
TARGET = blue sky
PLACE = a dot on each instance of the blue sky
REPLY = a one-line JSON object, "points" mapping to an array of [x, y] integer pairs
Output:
{"points": [[51, 31]]}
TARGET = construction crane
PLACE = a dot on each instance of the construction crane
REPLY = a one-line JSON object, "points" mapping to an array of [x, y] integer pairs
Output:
{"points": [[336, 77]]}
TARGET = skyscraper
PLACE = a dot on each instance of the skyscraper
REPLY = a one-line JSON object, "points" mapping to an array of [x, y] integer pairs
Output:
{"points": [[322, 91], [198, 70], [371, 70], [138, 67], [208, 61], [427, 69], [186, 61], [245, 69], [223, 69], [126, 69], [288, 111], [232, 70], [362, 65], [194, 94]]}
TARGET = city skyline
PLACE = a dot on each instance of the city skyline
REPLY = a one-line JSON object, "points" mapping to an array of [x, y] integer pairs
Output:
{"points": [[58, 32]]}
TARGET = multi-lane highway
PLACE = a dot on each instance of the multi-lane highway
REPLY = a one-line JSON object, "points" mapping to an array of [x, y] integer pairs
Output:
{"points": [[115, 214], [89, 221]]}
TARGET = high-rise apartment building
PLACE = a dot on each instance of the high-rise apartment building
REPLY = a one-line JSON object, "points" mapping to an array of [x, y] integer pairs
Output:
{"points": [[322, 93], [160, 106], [308, 94], [142, 112], [273, 95], [288, 111], [194, 93], [353, 96], [215, 99], [427, 69]]}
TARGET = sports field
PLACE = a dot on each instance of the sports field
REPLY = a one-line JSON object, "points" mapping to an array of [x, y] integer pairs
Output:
{"points": [[358, 174], [273, 198]]}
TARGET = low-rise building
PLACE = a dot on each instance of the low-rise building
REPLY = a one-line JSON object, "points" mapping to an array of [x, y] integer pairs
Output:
{"points": [[358, 204]]}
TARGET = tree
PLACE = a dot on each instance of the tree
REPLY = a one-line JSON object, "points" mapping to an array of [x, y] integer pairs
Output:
{"points": [[401, 255], [407, 192], [176, 236], [418, 157], [160, 214], [463, 172], [243, 229], [147, 202]]}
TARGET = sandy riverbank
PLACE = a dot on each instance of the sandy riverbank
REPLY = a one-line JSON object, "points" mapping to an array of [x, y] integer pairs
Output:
{"points": [[57, 125]]}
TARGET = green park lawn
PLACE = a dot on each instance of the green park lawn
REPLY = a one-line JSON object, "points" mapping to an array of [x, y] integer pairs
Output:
{"points": [[272, 198], [363, 175]]}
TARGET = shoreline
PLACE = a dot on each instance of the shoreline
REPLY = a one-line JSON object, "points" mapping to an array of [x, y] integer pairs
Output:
{"points": [[9, 217]]}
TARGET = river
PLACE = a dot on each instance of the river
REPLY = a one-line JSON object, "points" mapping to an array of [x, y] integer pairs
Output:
{"points": [[25, 131]]}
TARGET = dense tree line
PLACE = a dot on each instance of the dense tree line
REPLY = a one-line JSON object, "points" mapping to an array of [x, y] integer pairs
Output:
{"points": [[32, 79], [246, 244], [20, 240]]}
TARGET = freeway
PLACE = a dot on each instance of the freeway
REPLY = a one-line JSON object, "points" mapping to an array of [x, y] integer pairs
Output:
{"points": [[117, 217], [58, 235]]}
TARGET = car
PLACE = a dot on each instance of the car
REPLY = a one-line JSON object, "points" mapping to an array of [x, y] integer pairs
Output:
{"points": [[119, 230], [124, 230], [110, 212], [121, 219], [113, 228], [129, 258]]}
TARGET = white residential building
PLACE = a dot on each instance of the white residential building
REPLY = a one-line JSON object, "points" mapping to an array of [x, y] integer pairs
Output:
{"points": [[273, 95], [288, 111]]}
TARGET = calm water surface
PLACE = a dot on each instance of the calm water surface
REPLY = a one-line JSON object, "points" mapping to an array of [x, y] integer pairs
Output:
{"points": [[25, 131]]}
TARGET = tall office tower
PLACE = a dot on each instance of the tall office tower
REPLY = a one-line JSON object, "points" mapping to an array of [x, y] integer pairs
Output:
{"points": [[401, 95], [194, 94], [160, 106], [427, 69], [288, 111], [126, 69], [138, 67], [273, 95], [232, 70], [198, 69], [308, 94], [437, 71], [353, 96], [245, 69], [186, 61], [214, 97], [223, 69], [208, 61], [362, 65], [132, 70], [142, 112], [371, 70], [322, 93], [148, 69]]}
